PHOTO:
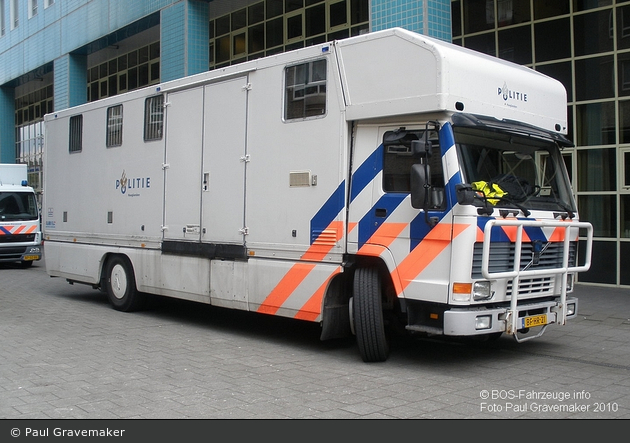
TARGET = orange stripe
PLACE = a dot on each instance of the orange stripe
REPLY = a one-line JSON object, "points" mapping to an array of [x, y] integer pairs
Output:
{"points": [[285, 288], [313, 307], [387, 233], [557, 234], [298, 273], [429, 248], [479, 238], [14, 230], [372, 250], [318, 251], [511, 231], [383, 237]]}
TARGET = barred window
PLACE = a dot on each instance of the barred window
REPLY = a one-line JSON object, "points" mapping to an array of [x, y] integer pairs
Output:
{"points": [[114, 126], [76, 133], [153, 118], [305, 90]]}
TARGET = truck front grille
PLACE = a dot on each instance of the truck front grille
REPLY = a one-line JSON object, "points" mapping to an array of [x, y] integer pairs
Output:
{"points": [[17, 238], [532, 286], [12, 253], [502, 257]]}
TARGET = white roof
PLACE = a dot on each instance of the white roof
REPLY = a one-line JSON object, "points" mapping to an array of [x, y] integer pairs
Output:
{"points": [[401, 72]]}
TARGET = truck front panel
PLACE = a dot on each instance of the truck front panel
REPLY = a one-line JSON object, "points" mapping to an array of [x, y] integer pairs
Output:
{"points": [[510, 254], [20, 234]]}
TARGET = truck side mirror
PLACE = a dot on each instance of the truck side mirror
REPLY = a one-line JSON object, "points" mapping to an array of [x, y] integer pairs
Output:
{"points": [[419, 185], [422, 148], [465, 194]]}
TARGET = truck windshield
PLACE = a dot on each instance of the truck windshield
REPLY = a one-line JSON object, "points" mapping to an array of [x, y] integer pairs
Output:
{"points": [[514, 170], [18, 206]]}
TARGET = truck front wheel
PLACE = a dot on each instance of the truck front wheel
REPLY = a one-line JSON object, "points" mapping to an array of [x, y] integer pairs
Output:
{"points": [[121, 285], [367, 313]]}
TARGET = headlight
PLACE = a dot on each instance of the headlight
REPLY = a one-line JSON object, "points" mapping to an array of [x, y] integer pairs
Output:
{"points": [[570, 309], [482, 290]]}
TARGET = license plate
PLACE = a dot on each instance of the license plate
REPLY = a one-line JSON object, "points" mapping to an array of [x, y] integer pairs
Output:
{"points": [[535, 320], [31, 257]]}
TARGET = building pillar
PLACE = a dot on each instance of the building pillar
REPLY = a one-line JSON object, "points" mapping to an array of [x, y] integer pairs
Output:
{"points": [[7, 124], [427, 17], [184, 39], [70, 81]]}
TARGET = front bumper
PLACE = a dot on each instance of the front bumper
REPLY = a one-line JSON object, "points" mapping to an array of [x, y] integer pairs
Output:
{"points": [[15, 253], [466, 321]]}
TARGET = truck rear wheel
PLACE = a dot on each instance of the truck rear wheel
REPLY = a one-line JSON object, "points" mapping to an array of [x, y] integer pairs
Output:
{"points": [[367, 312], [121, 285]]}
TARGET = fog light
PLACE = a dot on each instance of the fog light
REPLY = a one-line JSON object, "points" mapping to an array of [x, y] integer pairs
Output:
{"points": [[483, 322], [482, 291], [570, 309]]}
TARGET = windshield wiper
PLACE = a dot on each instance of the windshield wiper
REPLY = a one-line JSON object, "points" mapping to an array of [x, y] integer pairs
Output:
{"points": [[488, 209], [569, 212]]}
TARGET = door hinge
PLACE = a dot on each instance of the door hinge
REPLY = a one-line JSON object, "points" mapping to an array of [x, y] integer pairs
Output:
{"points": [[244, 231], [165, 166], [247, 87], [245, 158]]}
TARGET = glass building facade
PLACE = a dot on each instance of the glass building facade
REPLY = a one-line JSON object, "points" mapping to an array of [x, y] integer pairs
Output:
{"points": [[272, 26], [586, 45]]}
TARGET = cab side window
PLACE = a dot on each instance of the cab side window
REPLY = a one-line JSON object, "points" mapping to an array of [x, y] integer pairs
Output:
{"points": [[398, 157]]}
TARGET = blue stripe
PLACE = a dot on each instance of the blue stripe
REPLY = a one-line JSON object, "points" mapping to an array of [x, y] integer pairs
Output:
{"points": [[361, 178], [535, 233], [365, 173], [446, 138], [446, 142], [451, 191], [418, 228], [328, 211], [370, 222], [497, 234]]}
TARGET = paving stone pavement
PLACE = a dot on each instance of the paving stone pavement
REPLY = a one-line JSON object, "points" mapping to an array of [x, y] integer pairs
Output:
{"points": [[66, 354]]}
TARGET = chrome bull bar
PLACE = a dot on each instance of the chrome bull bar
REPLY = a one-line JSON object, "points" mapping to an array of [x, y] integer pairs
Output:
{"points": [[571, 231]]}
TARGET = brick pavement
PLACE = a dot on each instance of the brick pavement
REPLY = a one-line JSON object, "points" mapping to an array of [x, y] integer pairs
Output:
{"points": [[67, 355]]}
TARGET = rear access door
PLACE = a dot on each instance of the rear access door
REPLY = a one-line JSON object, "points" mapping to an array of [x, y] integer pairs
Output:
{"points": [[224, 164]]}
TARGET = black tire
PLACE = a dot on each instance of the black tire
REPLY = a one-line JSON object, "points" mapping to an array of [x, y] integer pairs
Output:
{"points": [[121, 285], [367, 312]]}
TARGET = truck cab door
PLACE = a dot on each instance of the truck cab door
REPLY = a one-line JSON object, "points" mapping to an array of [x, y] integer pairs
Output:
{"points": [[414, 242]]}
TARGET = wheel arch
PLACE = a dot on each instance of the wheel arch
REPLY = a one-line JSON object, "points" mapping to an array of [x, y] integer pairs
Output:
{"points": [[104, 265], [336, 318], [121, 284], [386, 267]]}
